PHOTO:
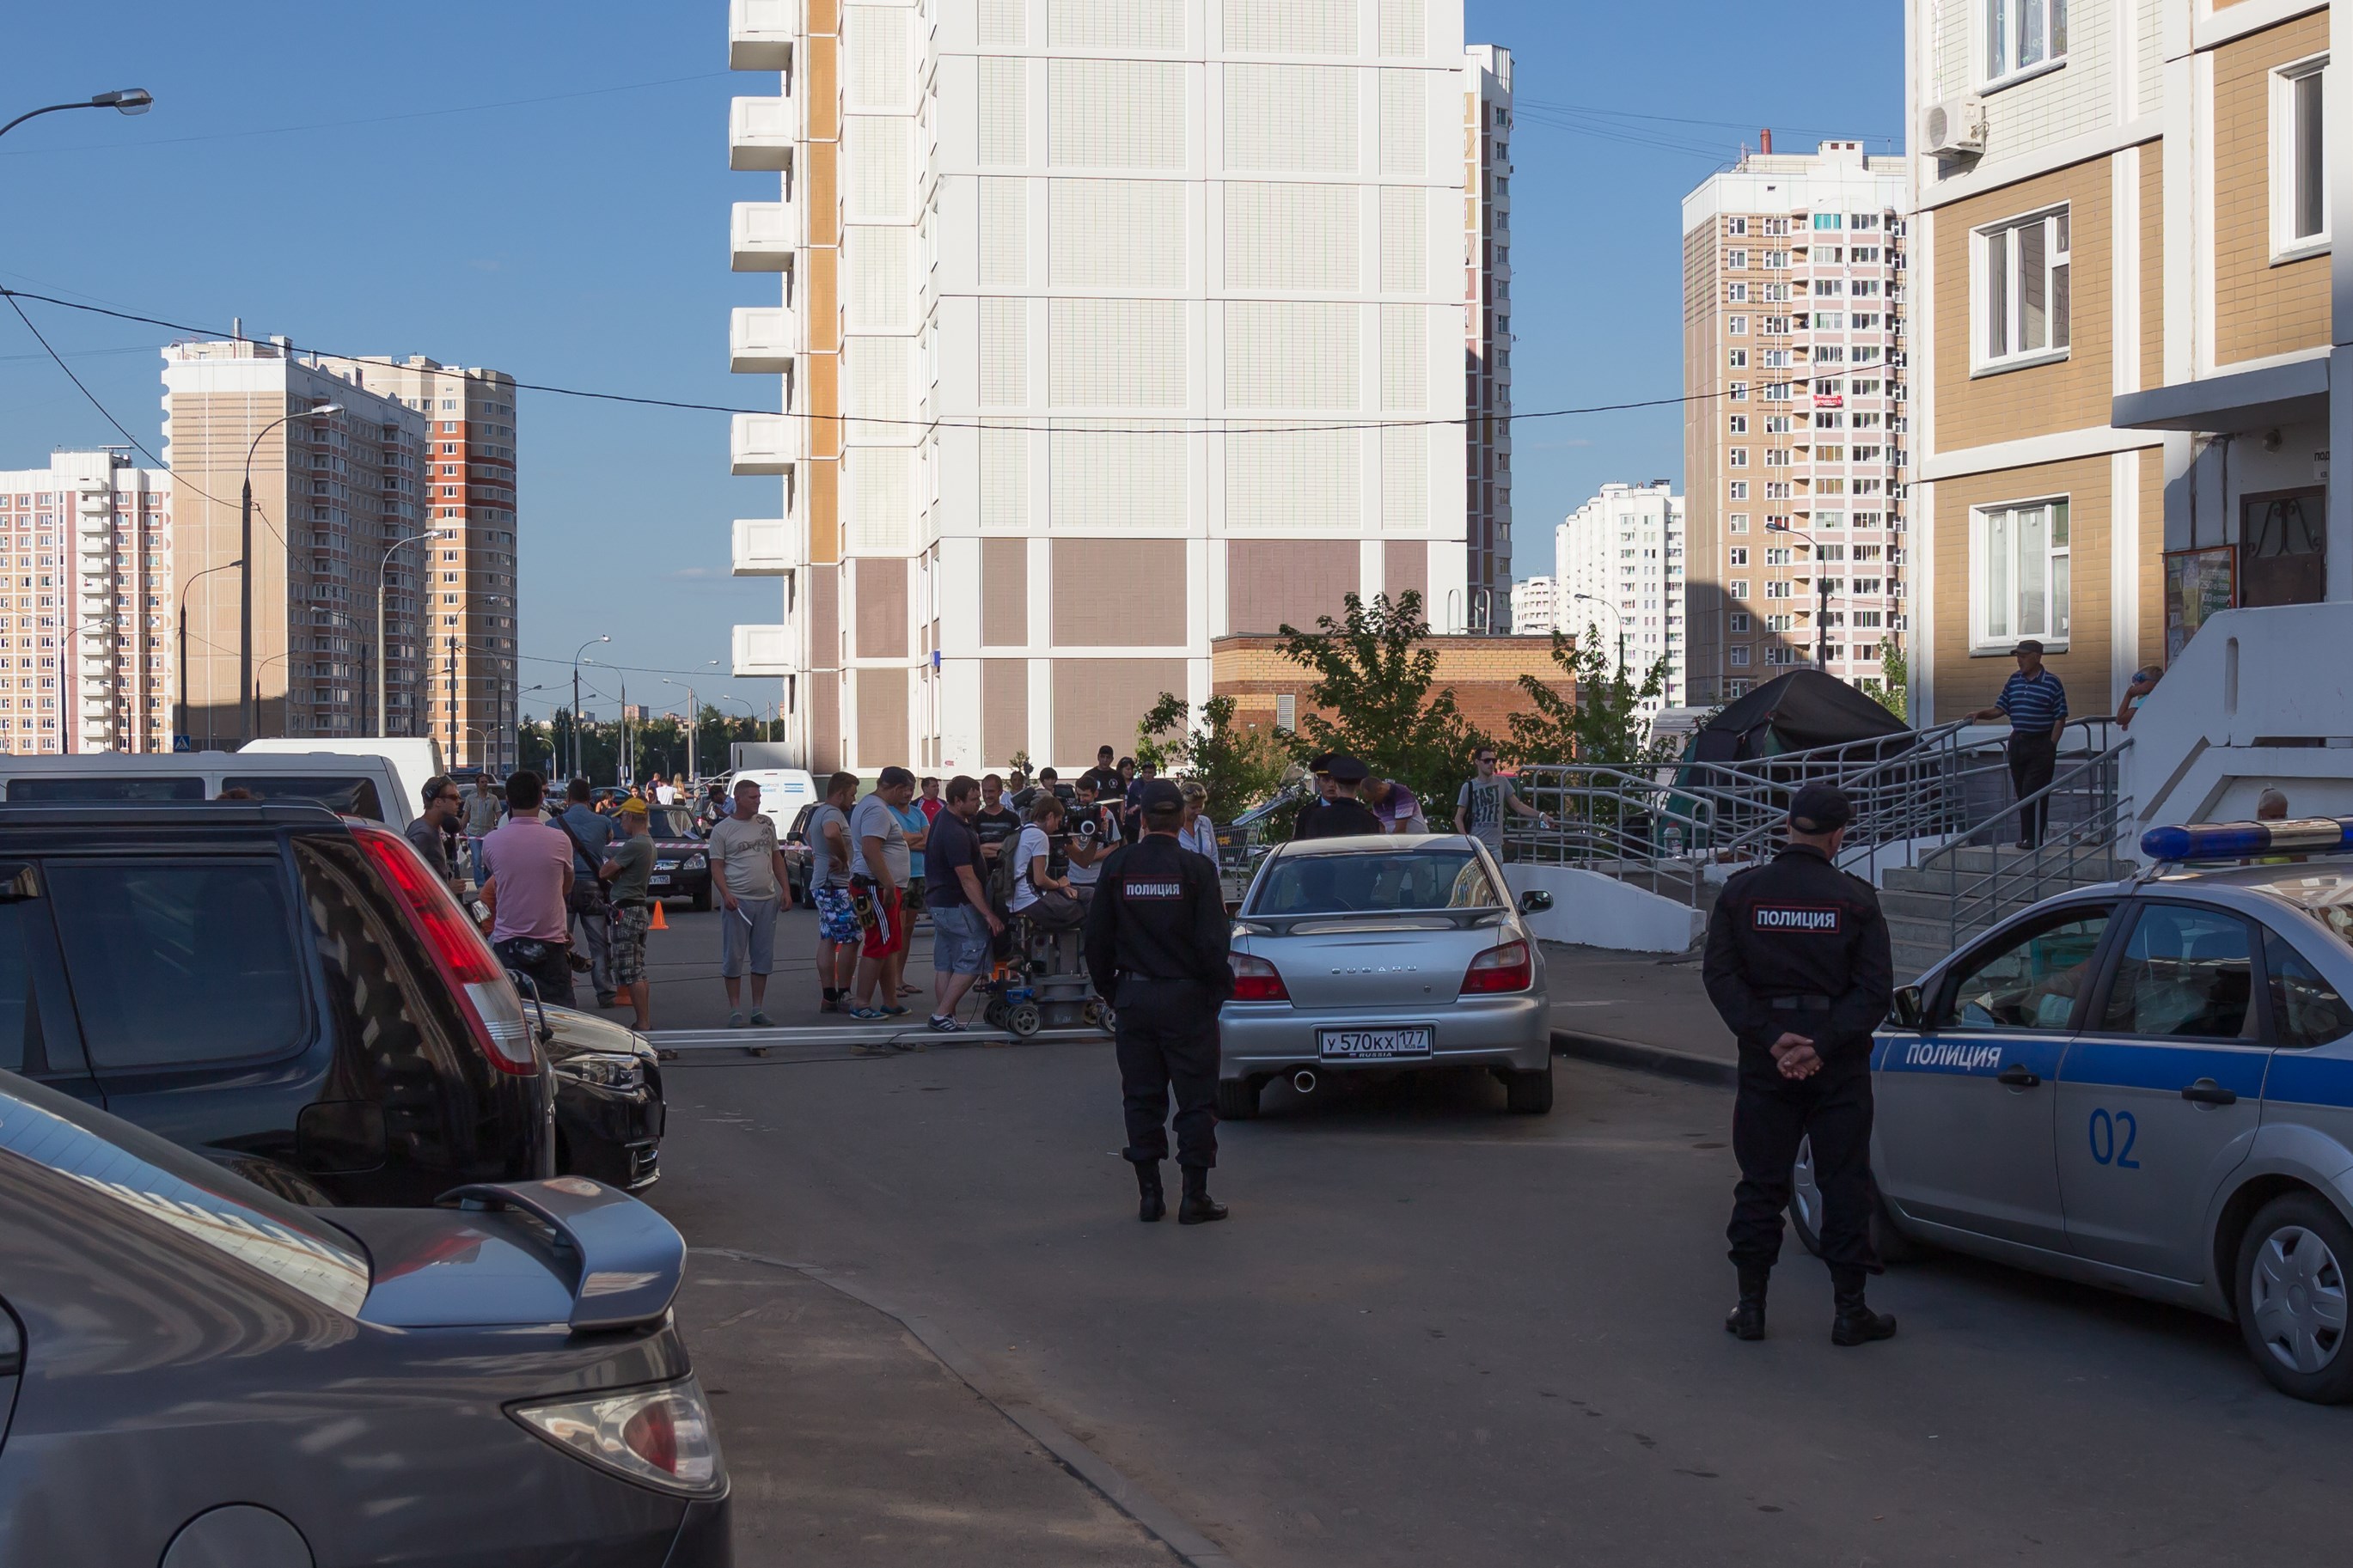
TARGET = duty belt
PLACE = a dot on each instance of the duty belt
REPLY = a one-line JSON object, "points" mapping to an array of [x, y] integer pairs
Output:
{"points": [[1802, 1003]]}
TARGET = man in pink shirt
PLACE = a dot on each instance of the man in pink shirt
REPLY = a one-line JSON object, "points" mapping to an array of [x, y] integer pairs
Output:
{"points": [[530, 869]]}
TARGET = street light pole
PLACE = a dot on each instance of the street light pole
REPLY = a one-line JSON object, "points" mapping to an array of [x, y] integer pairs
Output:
{"points": [[1615, 614], [183, 729], [1821, 595], [247, 700], [583, 647], [127, 100], [383, 648], [691, 711]]}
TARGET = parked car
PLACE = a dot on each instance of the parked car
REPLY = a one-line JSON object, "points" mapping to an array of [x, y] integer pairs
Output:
{"points": [[1379, 953], [413, 758], [681, 858], [608, 1098], [201, 1373], [356, 784], [288, 992], [2147, 1086], [799, 858]]}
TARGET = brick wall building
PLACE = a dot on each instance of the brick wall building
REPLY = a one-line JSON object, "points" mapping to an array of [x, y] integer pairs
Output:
{"points": [[1483, 671]]}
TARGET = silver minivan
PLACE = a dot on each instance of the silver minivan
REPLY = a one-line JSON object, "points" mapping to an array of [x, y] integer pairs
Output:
{"points": [[348, 783]]}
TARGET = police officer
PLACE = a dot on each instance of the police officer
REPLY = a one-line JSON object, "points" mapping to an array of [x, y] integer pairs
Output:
{"points": [[1797, 964], [1342, 815], [1319, 770], [1156, 941]]}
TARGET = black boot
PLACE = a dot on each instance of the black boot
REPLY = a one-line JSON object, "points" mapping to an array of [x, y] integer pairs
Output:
{"points": [[1746, 1319], [1198, 1208], [1856, 1323], [1151, 1203]]}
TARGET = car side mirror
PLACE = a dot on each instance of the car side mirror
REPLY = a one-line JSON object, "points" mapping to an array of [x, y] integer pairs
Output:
{"points": [[1534, 900], [1908, 1008]]}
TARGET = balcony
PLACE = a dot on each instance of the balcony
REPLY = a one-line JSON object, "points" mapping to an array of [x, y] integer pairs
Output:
{"points": [[760, 134], [760, 34], [763, 237], [763, 444], [762, 342], [766, 546], [764, 650]]}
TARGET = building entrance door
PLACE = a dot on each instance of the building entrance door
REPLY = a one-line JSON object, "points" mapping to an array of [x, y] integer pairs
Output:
{"points": [[2283, 547]]}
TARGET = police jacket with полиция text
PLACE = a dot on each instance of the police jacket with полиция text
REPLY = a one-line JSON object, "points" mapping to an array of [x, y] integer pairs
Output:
{"points": [[1800, 927], [1159, 913]]}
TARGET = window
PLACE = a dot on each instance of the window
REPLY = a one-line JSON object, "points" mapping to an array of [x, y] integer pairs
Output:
{"points": [[1737, 359], [1739, 459], [1739, 620], [2305, 1009], [1737, 588], [2187, 971], [2025, 980], [1738, 491], [1737, 326], [1423, 880], [1777, 424], [1777, 556], [173, 964], [2018, 559], [1775, 326], [1738, 390], [1826, 220], [1778, 589], [1739, 425], [2020, 35], [2299, 159], [1737, 555], [2021, 289], [1777, 623], [1736, 261], [1735, 293], [1739, 523], [1735, 226], [1737, 656]]}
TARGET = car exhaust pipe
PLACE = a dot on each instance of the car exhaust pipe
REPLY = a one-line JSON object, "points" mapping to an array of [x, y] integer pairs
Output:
{"points": [[1304, 1081]]}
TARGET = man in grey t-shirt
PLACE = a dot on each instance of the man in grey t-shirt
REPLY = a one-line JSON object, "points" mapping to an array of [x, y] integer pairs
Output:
{"points": [[880, 861], [828, 838], [1480, 804]]}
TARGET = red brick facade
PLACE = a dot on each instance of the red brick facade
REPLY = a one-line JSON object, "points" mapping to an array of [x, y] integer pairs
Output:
{"points": [[1482, 671]]}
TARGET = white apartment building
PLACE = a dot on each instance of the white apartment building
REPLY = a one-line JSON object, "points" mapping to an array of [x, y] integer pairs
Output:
{"points": [[85, 607], [1535, 607], [1795, 369], [1103, 329], [1619, 565]]}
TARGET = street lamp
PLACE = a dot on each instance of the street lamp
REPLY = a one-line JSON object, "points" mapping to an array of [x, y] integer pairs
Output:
{"points": [[383, 648], [1616, 614], [245, 697], [127, 100], [1822, 593], [183, 693], [692, 709], [583, 647]]}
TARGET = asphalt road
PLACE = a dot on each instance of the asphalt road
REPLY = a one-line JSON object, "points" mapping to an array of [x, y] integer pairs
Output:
{"points": [[1433, 1333]]}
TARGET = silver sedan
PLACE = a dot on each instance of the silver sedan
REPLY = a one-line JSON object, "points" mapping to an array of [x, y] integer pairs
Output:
{"points": [[1376, 955]]}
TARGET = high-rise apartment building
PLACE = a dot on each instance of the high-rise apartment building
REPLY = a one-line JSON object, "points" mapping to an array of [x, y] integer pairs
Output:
{"points": [[1618, 563], [2124, 259], [1535, 607], [338, 532], [1105, 327], [472, 604], [85, 607], [1795, 428]]}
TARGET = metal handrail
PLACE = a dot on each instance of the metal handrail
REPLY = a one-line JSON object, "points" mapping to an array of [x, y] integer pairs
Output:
{"points": [[2085, 810]]}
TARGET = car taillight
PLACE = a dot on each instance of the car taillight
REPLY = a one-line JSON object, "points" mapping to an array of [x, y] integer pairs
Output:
{"points": [[1505, 968], [662, 1437], [1255, 980], [471, 971]]}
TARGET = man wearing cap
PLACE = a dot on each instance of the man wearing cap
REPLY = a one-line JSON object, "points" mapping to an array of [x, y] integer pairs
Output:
{"points": [[1799, 965], [2036, 706], [628, 866], [1342, 815], [1156, 944], [1319, 770]]}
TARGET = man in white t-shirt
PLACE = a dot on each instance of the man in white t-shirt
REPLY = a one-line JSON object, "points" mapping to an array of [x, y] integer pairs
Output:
{"points": [[880, 862], [1033, 865]]}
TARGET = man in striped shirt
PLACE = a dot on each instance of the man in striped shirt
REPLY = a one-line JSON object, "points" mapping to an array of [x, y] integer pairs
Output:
{"points": [[2036, 706]]}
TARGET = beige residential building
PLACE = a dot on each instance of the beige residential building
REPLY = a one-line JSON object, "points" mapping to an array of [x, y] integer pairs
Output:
{"points": [[2122, 235], [334, 498], [86, 606], [471, 608], [1794, 424]]}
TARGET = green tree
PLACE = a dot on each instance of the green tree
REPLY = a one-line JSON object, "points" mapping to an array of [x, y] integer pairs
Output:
{"points": [[1599, 720], [1238, 767], [1893, 689], [1374, 675]]}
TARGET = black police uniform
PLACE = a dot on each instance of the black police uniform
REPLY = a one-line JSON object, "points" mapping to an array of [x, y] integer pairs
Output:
{"points": [[1796, 946], [1338, 818], [1156, 944]]}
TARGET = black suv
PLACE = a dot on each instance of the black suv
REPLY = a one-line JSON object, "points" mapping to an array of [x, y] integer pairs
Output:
{"points": [[288, 992]]}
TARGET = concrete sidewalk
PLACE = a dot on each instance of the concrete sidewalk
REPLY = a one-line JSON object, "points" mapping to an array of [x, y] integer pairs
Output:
{"points": [[850, 1443], [1638, 1009]]}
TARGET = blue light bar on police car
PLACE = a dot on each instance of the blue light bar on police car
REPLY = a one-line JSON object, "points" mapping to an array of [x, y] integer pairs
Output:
{"points": [[2240, 840]]}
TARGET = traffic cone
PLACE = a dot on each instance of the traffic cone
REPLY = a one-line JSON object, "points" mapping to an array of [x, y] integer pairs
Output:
{"points": [[657, 924]]}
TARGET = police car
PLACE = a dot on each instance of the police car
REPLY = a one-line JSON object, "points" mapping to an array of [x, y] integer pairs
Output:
{"points": [[2147, 1086]]}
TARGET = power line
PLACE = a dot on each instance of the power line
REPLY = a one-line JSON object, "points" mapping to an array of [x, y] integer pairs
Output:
{"points": [[1520, 103], [1091, 425]]}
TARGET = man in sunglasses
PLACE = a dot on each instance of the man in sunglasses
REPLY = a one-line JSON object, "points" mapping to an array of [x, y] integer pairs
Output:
{"points": [[1480, 804], [429, 831]]}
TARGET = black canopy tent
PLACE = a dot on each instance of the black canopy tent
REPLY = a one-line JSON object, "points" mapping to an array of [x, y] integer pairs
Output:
{"points": [[1795, 712]]}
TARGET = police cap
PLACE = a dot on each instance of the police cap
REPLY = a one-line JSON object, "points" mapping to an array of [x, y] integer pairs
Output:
{"points": [[1320, 763], [1346, 769], [1160, 794], [1821, 808]]}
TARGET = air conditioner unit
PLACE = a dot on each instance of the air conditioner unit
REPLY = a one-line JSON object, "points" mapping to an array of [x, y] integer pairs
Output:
{"points": [[1956, 125]]}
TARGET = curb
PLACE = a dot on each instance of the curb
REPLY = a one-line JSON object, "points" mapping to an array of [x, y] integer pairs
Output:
{"points": [[1649, 1058], [1155, 1518]]}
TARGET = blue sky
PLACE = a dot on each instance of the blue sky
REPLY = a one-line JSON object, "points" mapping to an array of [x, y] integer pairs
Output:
{"points": [[332, 172]]}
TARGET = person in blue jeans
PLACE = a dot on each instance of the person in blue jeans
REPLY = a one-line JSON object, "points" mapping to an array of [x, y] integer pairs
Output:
{"points": [[963, 924]]}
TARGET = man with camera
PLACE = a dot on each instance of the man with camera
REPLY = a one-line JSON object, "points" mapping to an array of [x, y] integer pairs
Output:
{"points": [[1093, 834]]}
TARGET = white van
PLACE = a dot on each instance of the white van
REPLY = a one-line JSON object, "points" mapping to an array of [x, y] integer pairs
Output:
{"points": [[367, 785], [783, 793], [414, 759]]}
